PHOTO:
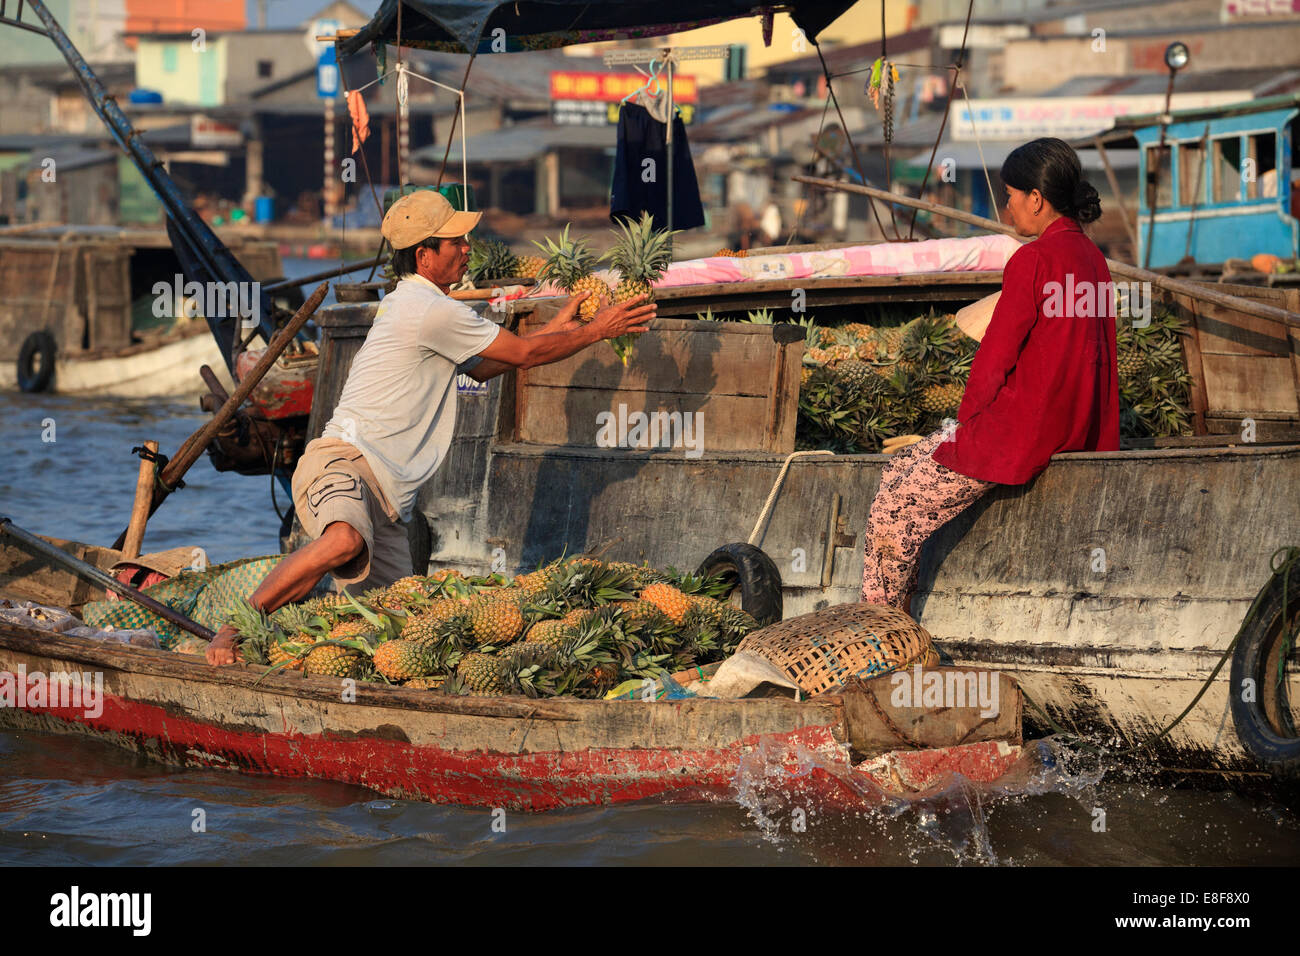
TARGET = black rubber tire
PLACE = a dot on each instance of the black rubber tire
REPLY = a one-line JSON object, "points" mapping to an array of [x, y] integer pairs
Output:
{"points": [[33, 377], [754, 574], [420, 539], [1264, 724]]}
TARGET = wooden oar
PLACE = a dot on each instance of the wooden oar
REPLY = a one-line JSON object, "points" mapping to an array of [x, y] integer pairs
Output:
{"points": [[103, 578], [193, 446]]}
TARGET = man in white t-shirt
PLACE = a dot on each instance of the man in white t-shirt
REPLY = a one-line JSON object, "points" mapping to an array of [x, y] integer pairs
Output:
{"points": [[356, 485]]}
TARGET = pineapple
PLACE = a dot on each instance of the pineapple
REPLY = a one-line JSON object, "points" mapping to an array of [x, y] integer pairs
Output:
{"points": [[550, 633], [841, 353], [641, 254], [334, 661], [403, 592], [531, 266], [490, 260], [496, 620], [854, 374], [427, 623], [485, 675], [569, 265], [868, 352], [889, 339], [577, 616], [1131, 363], [668, 599], [941, 399], [926, 342], [402, 660], [731, 253], [425, 683]]}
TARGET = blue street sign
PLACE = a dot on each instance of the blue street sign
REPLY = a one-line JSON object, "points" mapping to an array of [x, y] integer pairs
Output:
{"points": [[327, 74]]}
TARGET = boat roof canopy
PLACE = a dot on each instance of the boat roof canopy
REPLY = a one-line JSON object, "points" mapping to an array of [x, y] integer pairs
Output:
{"points": [[1124, 128], [467, 26]]}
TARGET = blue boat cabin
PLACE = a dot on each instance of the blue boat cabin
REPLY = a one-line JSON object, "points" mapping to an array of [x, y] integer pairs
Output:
{"points": [[1228, 184]]}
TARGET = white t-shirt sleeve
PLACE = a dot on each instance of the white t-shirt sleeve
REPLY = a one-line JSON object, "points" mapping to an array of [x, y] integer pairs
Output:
{"points": [[457, 332]]}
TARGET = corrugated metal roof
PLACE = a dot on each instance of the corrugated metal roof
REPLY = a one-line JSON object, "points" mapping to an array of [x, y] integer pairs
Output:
{"points": [[521, 143], [1258, 82]]}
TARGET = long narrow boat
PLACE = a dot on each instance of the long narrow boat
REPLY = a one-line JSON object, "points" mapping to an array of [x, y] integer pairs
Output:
{"points": [[513, 753]]}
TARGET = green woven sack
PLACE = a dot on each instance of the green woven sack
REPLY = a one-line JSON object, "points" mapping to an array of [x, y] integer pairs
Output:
{"points": [[206, 596]]}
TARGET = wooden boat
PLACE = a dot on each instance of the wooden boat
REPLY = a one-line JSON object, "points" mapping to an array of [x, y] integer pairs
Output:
{"points": [[1108, 587], [513, 753], [85, 294]]}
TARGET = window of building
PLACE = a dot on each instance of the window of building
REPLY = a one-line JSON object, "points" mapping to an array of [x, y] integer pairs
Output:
{"points": [[1160, 172], [1191, 174], [169, 58], [1227, 169], [1261, 149], [264, 69]]}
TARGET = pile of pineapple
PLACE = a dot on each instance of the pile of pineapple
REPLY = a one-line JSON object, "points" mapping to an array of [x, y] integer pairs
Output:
{"points": [[1155, 389], [576, 627], [861, 385]]}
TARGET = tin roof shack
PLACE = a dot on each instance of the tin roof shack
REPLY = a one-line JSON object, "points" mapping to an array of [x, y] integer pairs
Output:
{"points": [[48, 99], [81, 180], [532, 168]]}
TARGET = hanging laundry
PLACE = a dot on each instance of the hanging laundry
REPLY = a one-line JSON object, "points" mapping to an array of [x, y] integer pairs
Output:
{"points": [[360, 119], [641, 137]]}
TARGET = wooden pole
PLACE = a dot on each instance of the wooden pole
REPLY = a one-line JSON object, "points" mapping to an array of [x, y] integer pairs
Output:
{"points": [[1119, 197], [140, 510], [193, 446], [1180, 286], [355, 266]]}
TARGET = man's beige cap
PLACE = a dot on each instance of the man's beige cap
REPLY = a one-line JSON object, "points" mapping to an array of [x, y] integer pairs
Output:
{"points": [[424, 214]]}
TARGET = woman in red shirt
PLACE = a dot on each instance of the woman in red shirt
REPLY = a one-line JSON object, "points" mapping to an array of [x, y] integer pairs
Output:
{"points": [[1043, 381]]}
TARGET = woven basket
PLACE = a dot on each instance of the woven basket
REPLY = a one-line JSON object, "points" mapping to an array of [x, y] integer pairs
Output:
{"points": [[822, 650]]}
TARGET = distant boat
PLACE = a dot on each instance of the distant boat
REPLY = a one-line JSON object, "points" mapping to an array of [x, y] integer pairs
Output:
{"points": [[81, 313]]}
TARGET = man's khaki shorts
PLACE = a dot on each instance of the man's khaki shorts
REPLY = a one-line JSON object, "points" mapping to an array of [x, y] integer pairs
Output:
{"points": [[333, 482]]}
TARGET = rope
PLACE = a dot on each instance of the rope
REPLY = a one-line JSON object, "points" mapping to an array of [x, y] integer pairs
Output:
{"points": [[451, 133], [275, 460], [760, 525], [970, 115], [947, 108], [857, 163], [1292, 558], [159, 463]]}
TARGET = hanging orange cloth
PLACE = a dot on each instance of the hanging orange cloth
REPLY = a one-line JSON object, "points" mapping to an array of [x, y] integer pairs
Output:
{"points": [[360, 119]]}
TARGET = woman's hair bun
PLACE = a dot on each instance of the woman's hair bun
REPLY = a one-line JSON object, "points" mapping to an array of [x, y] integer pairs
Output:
{"points": [[1052, 167], [1087, 204]]}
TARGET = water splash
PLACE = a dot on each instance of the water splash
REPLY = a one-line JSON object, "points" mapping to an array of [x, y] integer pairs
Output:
{"points": [[816, 801]]}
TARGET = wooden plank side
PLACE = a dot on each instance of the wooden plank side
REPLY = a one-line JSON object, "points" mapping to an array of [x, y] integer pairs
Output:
{"points": [[568, 416], [1251, 385], [698, 360], [109, 297], [784, 406], [1185, 307], [28, 577], [1230, 332]]}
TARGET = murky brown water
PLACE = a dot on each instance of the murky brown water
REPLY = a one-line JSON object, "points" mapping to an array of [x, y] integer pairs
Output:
{"points": [[70, 800]]}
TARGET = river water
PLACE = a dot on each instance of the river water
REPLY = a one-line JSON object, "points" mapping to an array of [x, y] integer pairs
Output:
{"points": [[68, 471]]}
